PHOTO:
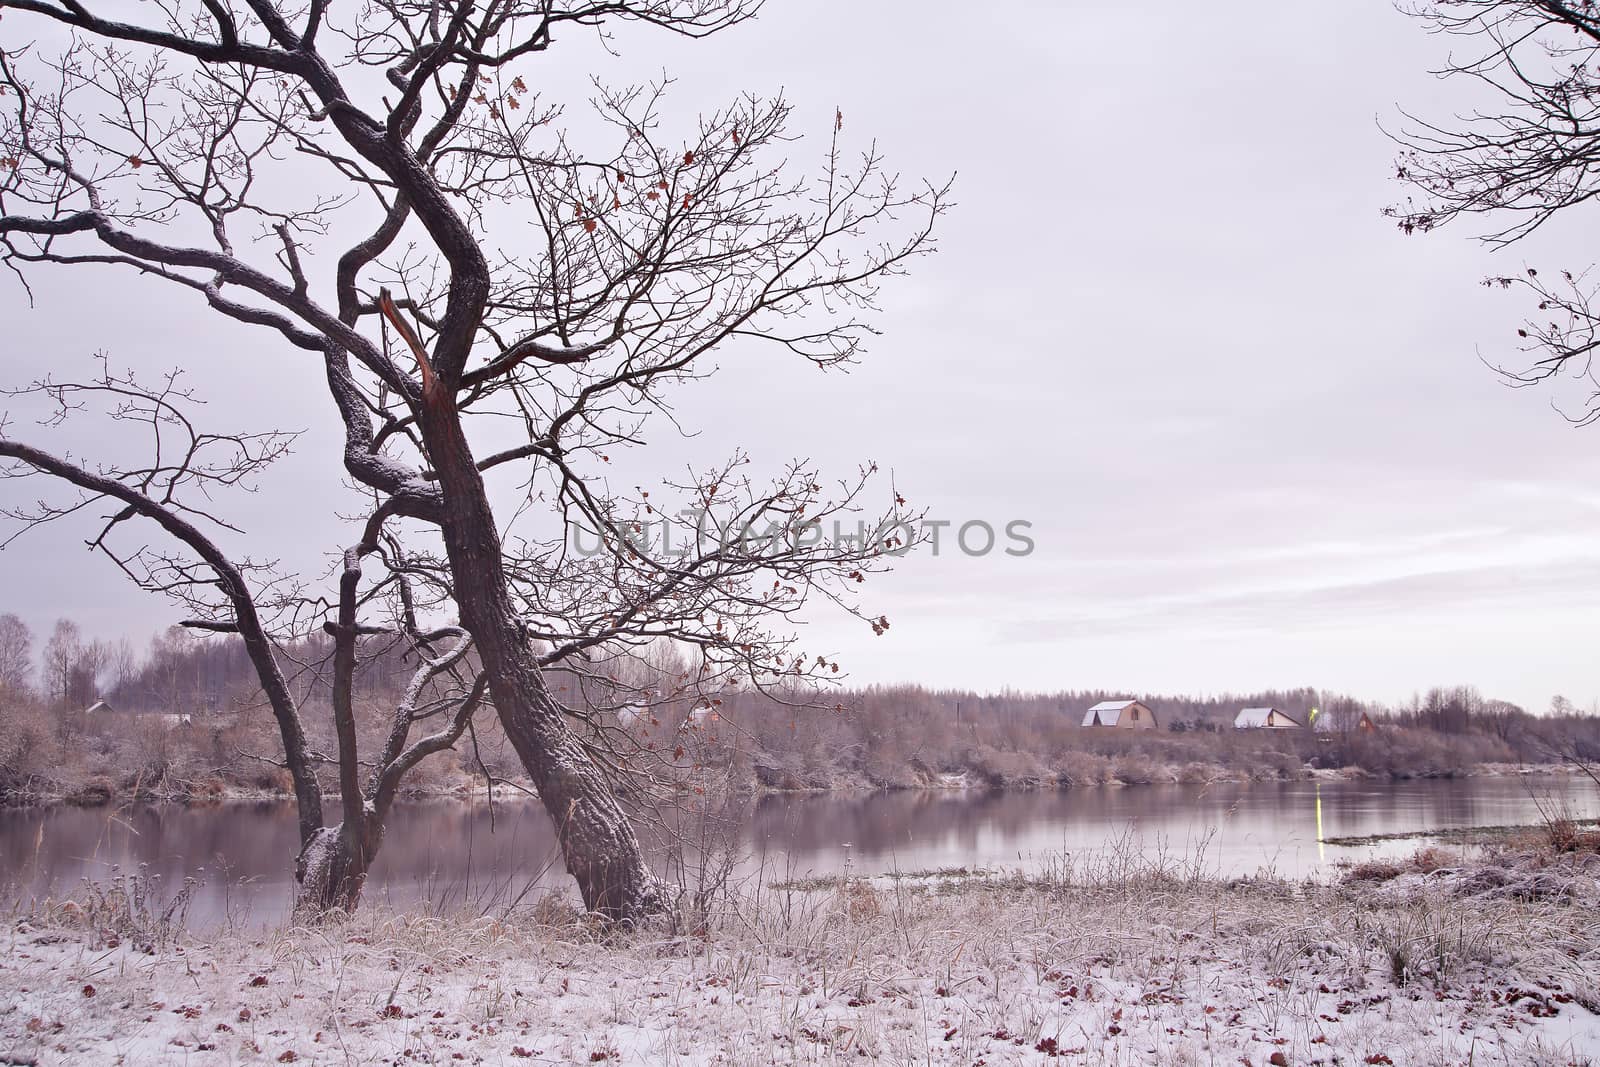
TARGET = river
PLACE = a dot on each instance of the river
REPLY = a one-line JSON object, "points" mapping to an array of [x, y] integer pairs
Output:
{"points": [[454, 853]]}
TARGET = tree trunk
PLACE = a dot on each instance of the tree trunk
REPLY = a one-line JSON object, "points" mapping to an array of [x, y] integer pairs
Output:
{"points": [[332, 870], [598, 843]]}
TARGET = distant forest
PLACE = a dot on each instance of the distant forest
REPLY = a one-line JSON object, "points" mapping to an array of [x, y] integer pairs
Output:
{"points": [[871, 737]]}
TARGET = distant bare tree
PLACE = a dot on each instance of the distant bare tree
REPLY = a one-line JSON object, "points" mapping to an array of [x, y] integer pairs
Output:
{"points": [[16, 653], [167, 670], [1451, 710], [636, 248], [82, 687], [1561, 736], [121, 663], [1503, 719], [1524, 153], [60, 657]]}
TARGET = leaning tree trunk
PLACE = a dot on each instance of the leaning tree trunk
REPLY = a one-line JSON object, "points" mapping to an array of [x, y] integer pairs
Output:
{"points": [[332, 867], [598, 843], [331, 872]]}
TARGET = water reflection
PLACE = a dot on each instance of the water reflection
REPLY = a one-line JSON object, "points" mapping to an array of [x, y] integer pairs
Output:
{"points": [[1322, 837], [452, 852]]}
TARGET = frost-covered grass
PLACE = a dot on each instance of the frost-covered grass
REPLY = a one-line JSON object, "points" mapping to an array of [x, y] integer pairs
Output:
{"points": [[1114, 964]]}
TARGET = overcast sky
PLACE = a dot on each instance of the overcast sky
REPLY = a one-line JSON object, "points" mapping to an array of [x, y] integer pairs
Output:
{"points": [[1168, 326]]}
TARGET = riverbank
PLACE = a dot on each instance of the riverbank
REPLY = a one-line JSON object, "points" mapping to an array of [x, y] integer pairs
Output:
{"points": [[102, 794], [1118, 962]]}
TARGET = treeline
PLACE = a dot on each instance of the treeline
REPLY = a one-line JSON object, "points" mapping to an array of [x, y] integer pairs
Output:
{"points": [[92, 720], [904, 736], [179, 673], [186, 718]]}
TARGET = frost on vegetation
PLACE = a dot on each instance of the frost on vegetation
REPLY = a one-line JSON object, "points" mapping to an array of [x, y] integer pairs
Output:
{"points": [[940, 969]]}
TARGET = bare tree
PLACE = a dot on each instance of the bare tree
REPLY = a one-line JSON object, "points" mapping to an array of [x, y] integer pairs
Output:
{"points": [[1503, 720], [446, 691], [1561, 736], [1524, 154], [83, 679], [1519, 159], [267, 612], [166, 147], [16, 653], [61, 654], [121, 663], [168, 670]]}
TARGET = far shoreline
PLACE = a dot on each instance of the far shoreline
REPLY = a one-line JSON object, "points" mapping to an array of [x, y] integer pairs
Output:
{"points": [[105, 795]]}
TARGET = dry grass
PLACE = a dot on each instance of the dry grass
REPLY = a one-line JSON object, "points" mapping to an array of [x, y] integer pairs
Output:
{"points": [[1565, 835], [1109, 963], [1425, 860], [131, 907]]}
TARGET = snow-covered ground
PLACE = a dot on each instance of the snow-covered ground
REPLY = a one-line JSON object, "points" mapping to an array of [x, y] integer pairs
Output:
{"points": [[1124, 970]]}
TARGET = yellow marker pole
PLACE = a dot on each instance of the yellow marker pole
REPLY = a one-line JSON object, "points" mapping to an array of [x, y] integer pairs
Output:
{"points": [[1322, 851]]}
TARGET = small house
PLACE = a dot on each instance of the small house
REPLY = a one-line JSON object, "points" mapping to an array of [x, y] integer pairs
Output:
{"points": [[635, 714], [1121, 714], [107, 713], [1342, 721], [1265, 719]]}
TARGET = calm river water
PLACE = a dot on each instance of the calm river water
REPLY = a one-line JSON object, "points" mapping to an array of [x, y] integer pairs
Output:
{"points": [[451, 852]]}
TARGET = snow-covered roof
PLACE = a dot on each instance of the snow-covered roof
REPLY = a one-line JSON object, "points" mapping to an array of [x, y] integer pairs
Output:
{"points": [[1107, 712], [1261, 717], [634, 713]]}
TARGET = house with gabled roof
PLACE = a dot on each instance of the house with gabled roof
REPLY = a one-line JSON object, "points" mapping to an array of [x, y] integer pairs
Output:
{"points": [[1342, 721], [1121, 714], [1265, 719]]}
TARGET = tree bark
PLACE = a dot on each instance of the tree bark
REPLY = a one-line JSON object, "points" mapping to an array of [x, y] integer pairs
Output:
{"points": [[598, 843], [331, 870]]}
